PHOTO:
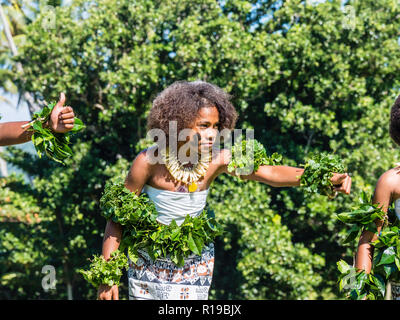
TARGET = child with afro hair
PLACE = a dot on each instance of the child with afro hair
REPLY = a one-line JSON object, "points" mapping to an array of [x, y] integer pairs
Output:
{"points": [[179, 185]]}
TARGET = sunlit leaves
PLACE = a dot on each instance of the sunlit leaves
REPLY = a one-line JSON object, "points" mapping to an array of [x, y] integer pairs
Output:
{"points": [[296, 74], [318, 172], [248, 155], [107, 272], [386, 259]]}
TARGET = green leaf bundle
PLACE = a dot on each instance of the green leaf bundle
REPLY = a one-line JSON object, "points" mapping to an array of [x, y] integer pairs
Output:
{"points": [[361, 218], [45, 141], [386, 259], [359, 284], [248, 155], [142, 231], [318, 172], [106, 272]]}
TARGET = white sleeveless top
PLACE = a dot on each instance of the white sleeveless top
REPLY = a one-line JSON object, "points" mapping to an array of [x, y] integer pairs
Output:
{"points": [[397, 208], [176, 205]]}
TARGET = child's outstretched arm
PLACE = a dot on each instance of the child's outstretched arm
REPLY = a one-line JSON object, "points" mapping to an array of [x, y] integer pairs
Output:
{"points": [[284, 176], [382, 197], [61, 121]]}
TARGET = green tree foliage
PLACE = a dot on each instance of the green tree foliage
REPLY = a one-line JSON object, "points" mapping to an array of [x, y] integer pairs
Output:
{"points": [[307, 76], [19, 14]]}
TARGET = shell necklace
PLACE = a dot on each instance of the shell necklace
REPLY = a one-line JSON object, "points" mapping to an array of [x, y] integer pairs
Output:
{"points": [[188, 176]]}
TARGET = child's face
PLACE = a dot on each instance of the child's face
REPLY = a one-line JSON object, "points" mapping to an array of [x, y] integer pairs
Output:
{"points": [[205, 126]]}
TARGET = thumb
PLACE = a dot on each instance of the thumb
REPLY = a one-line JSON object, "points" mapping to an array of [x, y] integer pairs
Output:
{"points": [[340, 177], [61, 100]]}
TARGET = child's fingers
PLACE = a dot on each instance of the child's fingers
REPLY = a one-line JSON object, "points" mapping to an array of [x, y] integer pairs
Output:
{"points": [[69, 115], [115, 293], [69, 120], [348, 186], [339, 178], [343, 177], [344, 187], [67, 109]]}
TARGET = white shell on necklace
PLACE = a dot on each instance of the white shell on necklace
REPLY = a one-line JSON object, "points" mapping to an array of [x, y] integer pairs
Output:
{"points": [[183, 174]]}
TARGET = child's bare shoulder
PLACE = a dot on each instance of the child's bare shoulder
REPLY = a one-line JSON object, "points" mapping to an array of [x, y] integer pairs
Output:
{"points": [[390, 180], [146, 157]]}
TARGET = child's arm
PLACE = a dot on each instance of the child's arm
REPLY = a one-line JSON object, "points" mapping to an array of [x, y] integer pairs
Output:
{"points": [[284, 176], [61, 120], [135, 180], [13, 133], [382, 196]]}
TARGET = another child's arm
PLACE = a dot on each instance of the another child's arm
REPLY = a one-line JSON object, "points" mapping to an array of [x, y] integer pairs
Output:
{"points": [[61, 121], [382, 196], [135, 180]]}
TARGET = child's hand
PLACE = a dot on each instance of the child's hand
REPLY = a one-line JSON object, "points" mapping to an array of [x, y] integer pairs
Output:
{"points": [[106, 292], [341, 183], [61, 118]]}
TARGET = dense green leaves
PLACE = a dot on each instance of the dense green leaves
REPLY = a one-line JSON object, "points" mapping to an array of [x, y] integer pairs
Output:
{"points": [[142, 231], [360, 285], [362, 218], [248, 155], [318, 172], [107, 272], [386, 259], [299, 74], [45, 141]]}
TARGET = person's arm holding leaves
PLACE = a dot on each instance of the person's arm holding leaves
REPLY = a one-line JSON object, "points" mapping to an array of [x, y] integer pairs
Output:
{"points": [[382, 197], [111, 242], [61, 120], [284, 176], [135, 180]]}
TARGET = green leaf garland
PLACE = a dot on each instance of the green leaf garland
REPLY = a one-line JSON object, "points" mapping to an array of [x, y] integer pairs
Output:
{"points": [[141, 231], [386, 259], [138, 214], [248, 155]]}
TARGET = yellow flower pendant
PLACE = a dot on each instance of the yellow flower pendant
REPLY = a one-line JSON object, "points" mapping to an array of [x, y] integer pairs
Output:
{"points": [[193, 187]]}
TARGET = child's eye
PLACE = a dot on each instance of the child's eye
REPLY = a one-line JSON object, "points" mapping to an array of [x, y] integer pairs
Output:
{"points": [[206, 126]]}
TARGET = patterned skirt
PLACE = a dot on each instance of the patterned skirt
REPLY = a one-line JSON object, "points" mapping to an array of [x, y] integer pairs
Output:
{"points": [[163, 280], [395, 288]]}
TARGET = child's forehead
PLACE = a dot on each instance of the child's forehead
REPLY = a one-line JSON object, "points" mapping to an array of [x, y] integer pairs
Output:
{"points": [[207, 113]]}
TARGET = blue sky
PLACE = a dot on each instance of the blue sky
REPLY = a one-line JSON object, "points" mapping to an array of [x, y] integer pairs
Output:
{"points": [[10, 112]]}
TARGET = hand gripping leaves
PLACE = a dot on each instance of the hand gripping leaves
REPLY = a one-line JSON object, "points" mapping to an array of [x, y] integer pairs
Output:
{"points": [[318, 172], [106, 272], [386, 259], [248, 155], [53, 144], [141, 230]]}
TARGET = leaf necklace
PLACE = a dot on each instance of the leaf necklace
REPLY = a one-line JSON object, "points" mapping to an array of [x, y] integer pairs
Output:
{"points": [[189, 176]]}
